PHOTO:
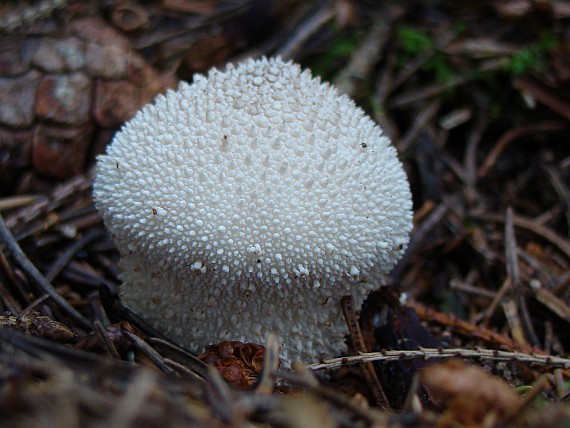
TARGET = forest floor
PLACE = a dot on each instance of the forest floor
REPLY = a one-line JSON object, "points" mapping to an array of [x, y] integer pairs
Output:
{"points": [[473, 329]]}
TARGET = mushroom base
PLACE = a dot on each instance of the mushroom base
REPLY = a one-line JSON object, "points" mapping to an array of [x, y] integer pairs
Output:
{"points": [[307, 320]]}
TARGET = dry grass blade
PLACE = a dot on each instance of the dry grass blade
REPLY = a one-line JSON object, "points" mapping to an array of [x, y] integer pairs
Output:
{"points": [[497, 299], [420, 234], [429, 91], [90, 390], [425, 116]]}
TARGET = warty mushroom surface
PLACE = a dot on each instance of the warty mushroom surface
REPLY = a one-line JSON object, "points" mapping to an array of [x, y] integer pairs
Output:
{"points": [[251, 201]]}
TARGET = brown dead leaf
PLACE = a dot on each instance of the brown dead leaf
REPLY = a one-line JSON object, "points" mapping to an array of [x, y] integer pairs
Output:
{"points": [[469, 395]]}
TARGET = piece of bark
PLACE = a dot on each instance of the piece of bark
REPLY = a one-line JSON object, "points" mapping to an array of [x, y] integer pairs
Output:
{"points": [[18, 99], [59, 152], [65, 98], [60, 55]]}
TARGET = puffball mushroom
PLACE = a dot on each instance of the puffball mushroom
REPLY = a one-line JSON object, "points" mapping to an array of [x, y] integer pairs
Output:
{"points": [[249, 202]]}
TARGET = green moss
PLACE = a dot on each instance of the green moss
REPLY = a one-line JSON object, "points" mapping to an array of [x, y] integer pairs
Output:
{"points": [[326, 64], [414, 43], [533, 57]]}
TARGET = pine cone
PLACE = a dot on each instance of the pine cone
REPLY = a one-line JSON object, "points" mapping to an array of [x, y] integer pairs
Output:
{"points": [[67, 82]]}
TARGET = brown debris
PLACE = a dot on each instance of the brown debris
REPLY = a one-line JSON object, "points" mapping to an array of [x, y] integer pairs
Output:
{"points": [[114, 333], [239, 363], [470, 396], [33, 323]]}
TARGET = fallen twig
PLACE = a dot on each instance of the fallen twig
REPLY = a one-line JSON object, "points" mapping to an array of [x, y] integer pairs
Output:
{"points": [[429, 353], [35, 275], [527, 223]]}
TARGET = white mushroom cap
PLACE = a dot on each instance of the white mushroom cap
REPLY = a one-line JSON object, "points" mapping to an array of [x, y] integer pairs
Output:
{"points": [[251, 201]]}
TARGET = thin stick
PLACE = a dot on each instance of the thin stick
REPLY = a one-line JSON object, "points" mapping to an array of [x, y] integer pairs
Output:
{"points": [[470, 158], [544, 95], [527, 223], [305, 30], [499, 296], [470, 330], [12, 202], [108, 345], [35, 275], [419, 235], [148, 351], [509, 136], [431, 353], [514, 273], [68, 254], [351, 318], [560, 188]]}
